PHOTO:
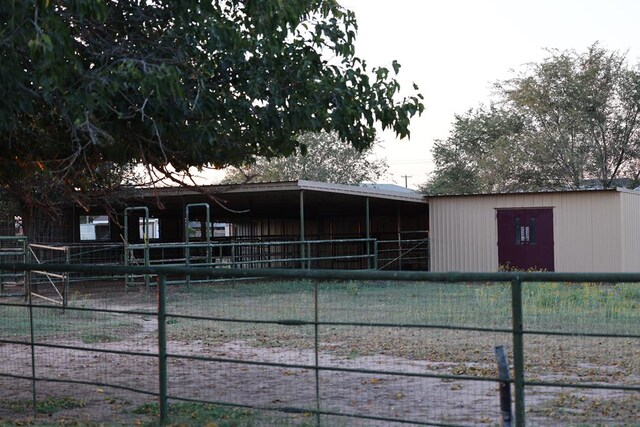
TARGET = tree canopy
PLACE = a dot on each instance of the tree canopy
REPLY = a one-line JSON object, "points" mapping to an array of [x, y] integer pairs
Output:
{"points": [[90, 87], [321, 157], [573, 118]]}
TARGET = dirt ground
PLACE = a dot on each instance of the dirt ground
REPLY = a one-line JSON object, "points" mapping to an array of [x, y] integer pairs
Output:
{"points": [[229, 379], [275, 387]]}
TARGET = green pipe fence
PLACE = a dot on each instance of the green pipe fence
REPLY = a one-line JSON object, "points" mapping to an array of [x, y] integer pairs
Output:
{"points": [[13, 249], [335, 253], [518, 330]]}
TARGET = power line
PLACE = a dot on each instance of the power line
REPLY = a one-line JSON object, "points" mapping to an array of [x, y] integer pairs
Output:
{"points": [[408, 162]]}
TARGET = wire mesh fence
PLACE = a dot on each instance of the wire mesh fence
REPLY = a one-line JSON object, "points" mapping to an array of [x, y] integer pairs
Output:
{"points": [[324, 348]]}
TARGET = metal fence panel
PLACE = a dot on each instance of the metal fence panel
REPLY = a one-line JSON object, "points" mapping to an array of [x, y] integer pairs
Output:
{"points": [[325, 347]]}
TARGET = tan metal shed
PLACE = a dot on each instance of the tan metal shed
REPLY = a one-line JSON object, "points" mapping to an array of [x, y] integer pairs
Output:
{"points": [[592, 230]]}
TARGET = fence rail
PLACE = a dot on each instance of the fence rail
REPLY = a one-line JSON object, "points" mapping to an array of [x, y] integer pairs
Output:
{"points": [[173, 365]]}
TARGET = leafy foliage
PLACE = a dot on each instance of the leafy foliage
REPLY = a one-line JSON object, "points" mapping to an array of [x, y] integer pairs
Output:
{"points": [[479, 155], [571, 118], [88, 87], [321, 157]]}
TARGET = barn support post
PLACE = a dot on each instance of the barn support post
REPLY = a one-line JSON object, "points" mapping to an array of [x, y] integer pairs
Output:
{"points": [[518, 350], [302, 238], [368, 232], [65, 292], [129, 256], [162, 349], [187, 252], [399, 230]]}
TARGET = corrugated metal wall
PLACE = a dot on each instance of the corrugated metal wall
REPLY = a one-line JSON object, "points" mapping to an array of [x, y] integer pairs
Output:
{"points": [[630, 219], [588, 230]]}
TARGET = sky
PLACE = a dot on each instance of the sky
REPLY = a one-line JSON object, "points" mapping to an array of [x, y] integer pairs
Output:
{"points": [[454, 50]]}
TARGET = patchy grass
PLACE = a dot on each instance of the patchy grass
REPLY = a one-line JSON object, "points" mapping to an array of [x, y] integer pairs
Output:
{"points": [[606, 308], [200, 414], [462, 304], [576, 408], [203, 414], [100, 337], [87, 326], [43, 406]]}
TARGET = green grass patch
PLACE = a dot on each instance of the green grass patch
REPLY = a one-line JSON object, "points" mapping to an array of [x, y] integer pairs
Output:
{"points": [[44, 406], [88, 326], [399, 302], [201, 414], [191, 413], [100, 337], [576, 307], [590, 307]]}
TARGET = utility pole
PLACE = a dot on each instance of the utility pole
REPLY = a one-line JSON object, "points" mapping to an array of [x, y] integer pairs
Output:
{"points": [[406, 185]]}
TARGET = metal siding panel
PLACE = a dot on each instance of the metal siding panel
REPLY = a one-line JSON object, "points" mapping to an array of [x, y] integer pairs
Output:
{"points": [[630, 231], [461, 239], [588, 232]]}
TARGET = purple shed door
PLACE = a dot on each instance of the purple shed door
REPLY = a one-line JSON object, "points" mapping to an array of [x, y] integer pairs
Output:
{"points": [[525, 239]]}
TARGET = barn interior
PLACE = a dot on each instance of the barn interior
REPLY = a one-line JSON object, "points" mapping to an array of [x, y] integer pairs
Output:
{"points": [[359, 226]]}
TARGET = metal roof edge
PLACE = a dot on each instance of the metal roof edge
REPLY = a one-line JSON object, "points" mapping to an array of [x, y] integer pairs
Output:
{"points": [[627, 190], [286, 186], [358, 190], [520, 193]]}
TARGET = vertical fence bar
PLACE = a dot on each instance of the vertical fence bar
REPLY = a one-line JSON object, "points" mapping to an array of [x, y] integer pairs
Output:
{"points": [[65, 294], [375, 255], [233, 255], [317, 349], [302, 236], [33, 348], [162, 348], [518, 350], [27, 275]]}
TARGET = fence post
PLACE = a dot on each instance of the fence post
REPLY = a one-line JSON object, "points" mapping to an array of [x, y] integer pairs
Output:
{"points": [[518, 350], [375, 254], [162, 348], [317, 349], [65, 294], [33, 347], [506, 416]]}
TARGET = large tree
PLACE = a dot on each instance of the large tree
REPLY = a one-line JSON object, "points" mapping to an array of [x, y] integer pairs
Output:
{"points": [[479, 155], [573, 117], [320, 157], [88, 87]]}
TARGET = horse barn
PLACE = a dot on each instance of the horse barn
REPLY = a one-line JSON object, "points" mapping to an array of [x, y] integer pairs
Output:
{"points": [[566, 231], [306, 224], [296, 224]]}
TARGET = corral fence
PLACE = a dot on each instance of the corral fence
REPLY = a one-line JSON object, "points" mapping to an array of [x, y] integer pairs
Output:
{"points": [[351, 253], [344, 352]]}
